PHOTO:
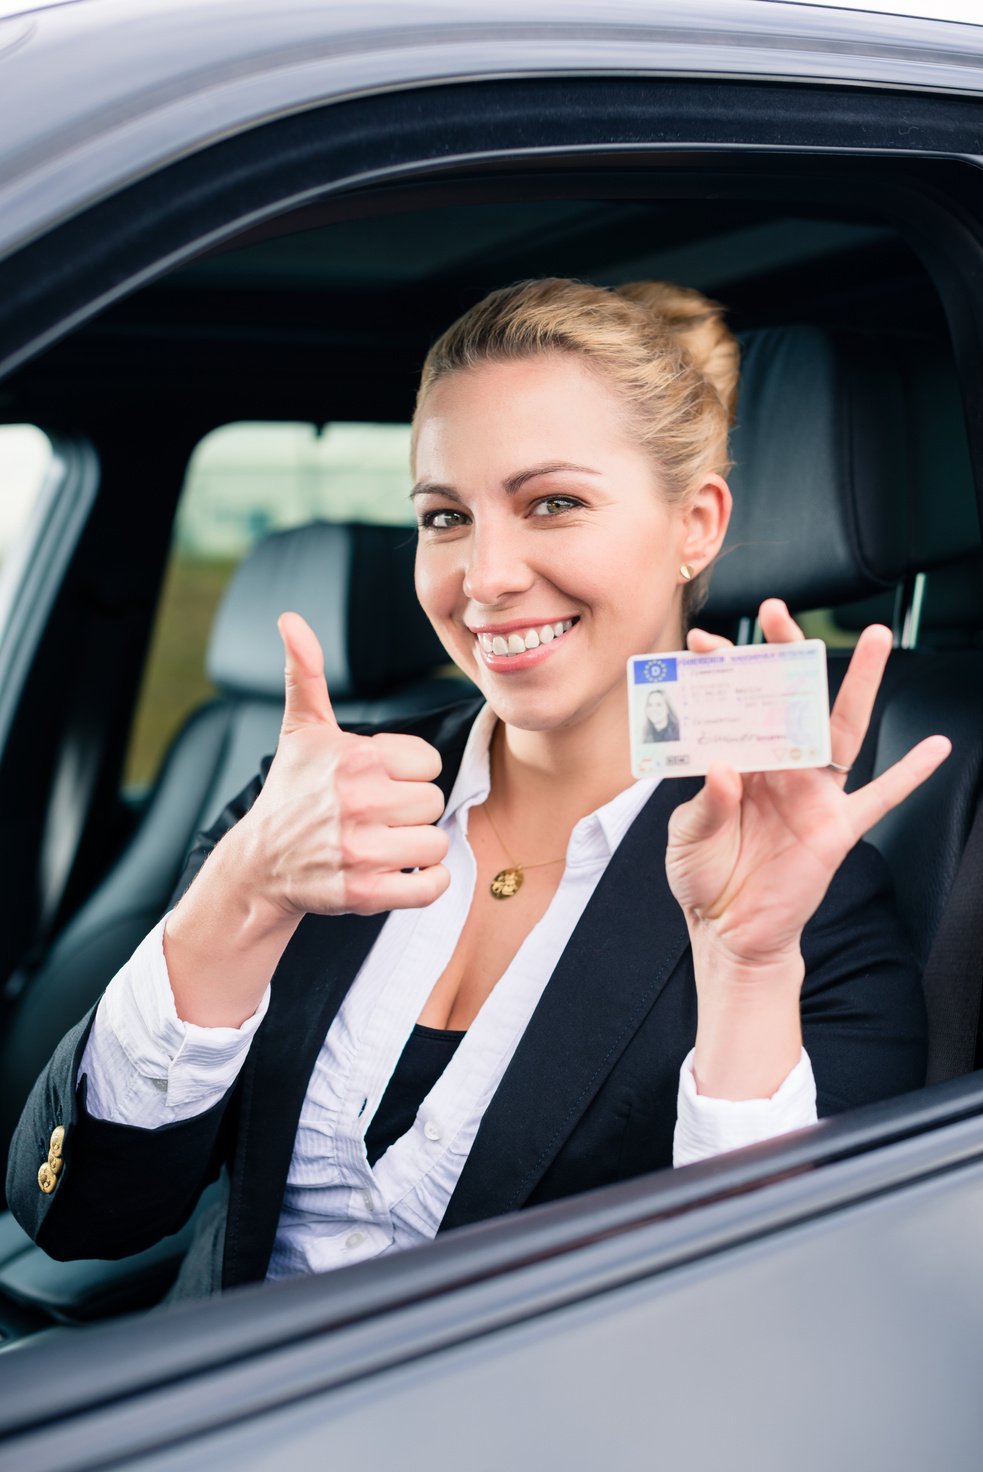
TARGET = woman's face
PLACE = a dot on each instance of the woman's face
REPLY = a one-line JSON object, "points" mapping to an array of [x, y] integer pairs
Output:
{"points": [[656, 708], [547, 553]]}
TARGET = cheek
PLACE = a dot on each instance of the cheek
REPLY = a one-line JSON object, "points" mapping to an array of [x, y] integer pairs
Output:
{"points": [[438, 583]]}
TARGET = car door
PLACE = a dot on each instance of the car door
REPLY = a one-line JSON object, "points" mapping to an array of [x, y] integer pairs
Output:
{"points": [[814, 1298]]}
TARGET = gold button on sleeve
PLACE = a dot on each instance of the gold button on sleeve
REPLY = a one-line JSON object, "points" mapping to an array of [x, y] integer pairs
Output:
{"points": [[57, 1141], [55, 1163], [47, 1179]]}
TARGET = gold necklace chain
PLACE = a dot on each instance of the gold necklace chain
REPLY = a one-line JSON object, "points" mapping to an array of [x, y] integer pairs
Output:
{"points": [[508, 882]]}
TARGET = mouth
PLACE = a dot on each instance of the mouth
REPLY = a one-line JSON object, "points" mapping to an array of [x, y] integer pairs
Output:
{"points": [[521, 647]]}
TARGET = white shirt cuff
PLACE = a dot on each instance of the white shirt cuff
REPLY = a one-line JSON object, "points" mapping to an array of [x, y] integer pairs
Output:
{"points": [[147, 1067], [707, 1126]]}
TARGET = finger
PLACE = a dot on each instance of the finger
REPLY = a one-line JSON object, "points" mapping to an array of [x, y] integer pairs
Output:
{"points": [[867, 806], [853, 705], [777, 624], [418, 848], [407, 758], [408, 804], [306, 701], [710, 810], [389, 850], [408, 891], [699, 641], [372, 853]]}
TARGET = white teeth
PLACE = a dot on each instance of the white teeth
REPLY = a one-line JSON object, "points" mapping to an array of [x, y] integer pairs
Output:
{"points": [[518, 643]]}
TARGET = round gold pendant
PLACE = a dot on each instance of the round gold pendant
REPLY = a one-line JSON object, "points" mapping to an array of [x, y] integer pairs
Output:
{"points": [[506, 883]]}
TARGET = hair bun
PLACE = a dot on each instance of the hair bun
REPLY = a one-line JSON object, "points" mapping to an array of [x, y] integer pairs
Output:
{"points": [[697, 323]]}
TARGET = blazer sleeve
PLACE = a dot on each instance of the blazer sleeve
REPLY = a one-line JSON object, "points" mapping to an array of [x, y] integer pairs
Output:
{"points": [[121, 1188], [117, 1189], [863, 1011]]}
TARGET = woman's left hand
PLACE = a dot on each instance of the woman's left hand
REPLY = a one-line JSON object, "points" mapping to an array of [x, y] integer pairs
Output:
{"points": [[751, 856]]}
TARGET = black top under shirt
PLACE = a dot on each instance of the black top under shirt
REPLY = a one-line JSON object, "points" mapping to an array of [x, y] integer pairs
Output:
{"points": [[427, 1053]]}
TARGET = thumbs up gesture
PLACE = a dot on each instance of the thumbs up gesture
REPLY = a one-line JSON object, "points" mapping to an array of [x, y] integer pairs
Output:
{"points": [[344, 823]]}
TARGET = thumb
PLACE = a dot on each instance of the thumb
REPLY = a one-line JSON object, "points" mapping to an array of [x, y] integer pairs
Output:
{"points": [[306, 700]]}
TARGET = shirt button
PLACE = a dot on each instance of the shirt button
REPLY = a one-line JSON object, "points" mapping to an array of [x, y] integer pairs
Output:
{"points": [[354, 1239], [431, 1130]]}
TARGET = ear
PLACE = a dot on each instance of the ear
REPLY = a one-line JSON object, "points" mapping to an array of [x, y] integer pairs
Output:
{"points": [[705, 518]]}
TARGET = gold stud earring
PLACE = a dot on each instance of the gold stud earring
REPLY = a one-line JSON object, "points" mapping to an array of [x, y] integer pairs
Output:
{"points": [[686, 571]]}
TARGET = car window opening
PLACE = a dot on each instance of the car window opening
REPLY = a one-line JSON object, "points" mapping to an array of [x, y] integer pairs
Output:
{"points": [[251, 483]]}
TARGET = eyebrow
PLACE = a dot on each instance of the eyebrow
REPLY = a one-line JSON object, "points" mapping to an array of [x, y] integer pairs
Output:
{"points": [[511, 485]]}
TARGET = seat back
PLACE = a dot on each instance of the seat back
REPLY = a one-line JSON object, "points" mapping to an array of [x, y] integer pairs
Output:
{"points": [[354, 585], [872, 439]]}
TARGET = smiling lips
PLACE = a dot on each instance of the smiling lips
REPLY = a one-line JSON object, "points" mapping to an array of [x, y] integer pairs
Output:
{"points": [[495, 647]]}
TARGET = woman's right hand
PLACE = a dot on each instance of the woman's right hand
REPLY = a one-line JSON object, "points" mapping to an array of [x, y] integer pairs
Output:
{"points": [[343, 824]]}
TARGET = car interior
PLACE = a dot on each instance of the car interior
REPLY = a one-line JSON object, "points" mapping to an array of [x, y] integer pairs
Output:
{"points": [[854, 500]]}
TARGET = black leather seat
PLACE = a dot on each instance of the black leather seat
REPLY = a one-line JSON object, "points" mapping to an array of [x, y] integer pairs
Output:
{"points": [[354, 585], [852, 476]]}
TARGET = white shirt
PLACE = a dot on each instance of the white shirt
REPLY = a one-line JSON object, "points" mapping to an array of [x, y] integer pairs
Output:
{"points": [[148, 1068]]}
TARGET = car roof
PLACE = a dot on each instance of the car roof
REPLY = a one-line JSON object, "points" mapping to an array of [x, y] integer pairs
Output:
{"points": [[967, 11], [125, 91], [951, 10]]}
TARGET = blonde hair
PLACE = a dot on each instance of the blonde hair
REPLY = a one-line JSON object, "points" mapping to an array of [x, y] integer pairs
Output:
{"points": [[664, 349]]}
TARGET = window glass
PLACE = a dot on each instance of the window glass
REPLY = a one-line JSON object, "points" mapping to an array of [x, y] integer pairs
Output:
{"points": [[25, 455], [822, 623], [244, 481]]}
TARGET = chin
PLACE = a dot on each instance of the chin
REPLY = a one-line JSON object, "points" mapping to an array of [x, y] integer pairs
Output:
{"points": [[537, 711]]}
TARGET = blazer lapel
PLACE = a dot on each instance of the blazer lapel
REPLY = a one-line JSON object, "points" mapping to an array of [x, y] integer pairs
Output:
{"points": [[626, 946], [310, 983], [308, 987]]}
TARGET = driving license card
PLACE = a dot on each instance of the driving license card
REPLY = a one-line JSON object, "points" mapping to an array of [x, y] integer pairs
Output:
{"points": [[757, 708]]}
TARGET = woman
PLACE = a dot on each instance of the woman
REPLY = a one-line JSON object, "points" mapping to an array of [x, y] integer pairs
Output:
{"points": [[661, 722], [496, 960]]}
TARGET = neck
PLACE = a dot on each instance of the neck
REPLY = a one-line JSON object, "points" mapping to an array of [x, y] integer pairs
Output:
{"points": [[575, 769]]}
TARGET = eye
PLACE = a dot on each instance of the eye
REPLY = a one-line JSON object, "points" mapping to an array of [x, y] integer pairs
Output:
{"points": [[555, 505], [441, 521]]}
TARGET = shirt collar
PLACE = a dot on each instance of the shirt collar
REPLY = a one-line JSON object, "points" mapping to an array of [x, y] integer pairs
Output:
{"points": [[608, 824], [473, 781]]}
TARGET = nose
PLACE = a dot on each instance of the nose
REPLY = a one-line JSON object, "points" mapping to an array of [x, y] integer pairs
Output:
{"points": [[496, 569]]}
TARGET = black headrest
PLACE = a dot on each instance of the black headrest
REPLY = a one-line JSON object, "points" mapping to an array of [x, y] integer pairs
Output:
{"points": [[945, 523], [820, 475], [353, 584]]}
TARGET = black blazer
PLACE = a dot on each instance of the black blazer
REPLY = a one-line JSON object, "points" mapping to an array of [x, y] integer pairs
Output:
{"points": [[589, 1097]]}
